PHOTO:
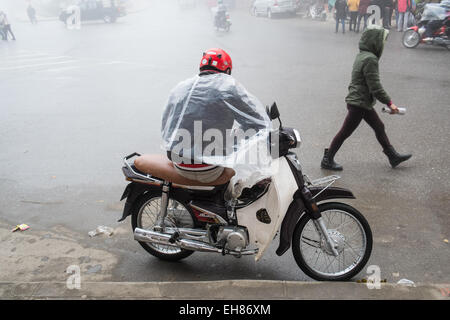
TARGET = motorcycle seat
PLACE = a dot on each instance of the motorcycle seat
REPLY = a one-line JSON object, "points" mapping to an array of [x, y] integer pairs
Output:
{"points": [[158, 165]]}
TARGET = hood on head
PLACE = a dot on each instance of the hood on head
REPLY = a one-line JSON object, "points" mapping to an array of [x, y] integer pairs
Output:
{"points": [[373, 39]]}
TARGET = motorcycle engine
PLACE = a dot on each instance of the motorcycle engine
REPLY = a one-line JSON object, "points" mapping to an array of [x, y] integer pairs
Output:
{"points": [[235, 238]]}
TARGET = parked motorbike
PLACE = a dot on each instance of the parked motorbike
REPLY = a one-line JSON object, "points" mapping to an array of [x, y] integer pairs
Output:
{"points": [[317, 11], [330, 240], [416, 34]]}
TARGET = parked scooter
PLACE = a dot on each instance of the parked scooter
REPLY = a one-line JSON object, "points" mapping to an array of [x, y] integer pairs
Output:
{"points": [[317, 12], [330, 240]]}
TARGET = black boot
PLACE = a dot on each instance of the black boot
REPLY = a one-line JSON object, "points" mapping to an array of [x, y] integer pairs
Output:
{"points": [[394, 157], [328, 162]]}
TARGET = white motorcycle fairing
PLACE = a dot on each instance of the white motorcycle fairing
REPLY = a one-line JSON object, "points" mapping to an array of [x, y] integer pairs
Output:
{"points": [[276, 202]]}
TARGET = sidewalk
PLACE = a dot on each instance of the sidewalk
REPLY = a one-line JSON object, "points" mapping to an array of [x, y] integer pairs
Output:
{"points": [[222, 290]]}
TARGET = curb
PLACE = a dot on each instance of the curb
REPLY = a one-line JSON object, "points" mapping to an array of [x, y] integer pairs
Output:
{"points": [[222, 290]]}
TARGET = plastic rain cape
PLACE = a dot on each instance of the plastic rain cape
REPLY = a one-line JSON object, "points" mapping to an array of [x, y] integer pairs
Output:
{"points": [[212, 119], [433, 11]]}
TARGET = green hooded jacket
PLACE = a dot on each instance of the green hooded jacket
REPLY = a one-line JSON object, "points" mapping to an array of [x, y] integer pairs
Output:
{"points": [[365, 86]]}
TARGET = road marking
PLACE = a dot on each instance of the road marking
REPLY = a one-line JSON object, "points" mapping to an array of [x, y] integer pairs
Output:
{"points": [[35, 59], [61, 69], [20, 56], [37, 65]]}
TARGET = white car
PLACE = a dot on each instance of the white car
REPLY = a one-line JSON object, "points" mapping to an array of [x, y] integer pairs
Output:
{"points": [[270, 8]]}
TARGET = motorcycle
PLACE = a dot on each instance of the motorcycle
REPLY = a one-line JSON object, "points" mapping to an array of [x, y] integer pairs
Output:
{"points": [[222, 21], [415, 35], [317, 11], [330, 240]]}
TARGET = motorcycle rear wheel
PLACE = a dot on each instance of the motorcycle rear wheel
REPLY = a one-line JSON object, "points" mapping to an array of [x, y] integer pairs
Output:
{"points": [[311, 252], [411, 39], [145, 214]]}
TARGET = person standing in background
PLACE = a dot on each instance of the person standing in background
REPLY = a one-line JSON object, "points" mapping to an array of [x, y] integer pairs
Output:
{"points": [[31, 12], [362, 13], [402, 7], [388, 6], [340, 8], [396, 11], [353, 6]]}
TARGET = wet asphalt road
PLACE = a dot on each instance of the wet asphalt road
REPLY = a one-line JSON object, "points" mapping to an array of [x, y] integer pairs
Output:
{"points": [[74, 103]]}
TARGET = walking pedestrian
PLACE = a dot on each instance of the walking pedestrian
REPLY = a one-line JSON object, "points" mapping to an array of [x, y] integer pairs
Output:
{"points": [[362, 13], [6, 26], [353, 8], [402, 7], [340, 8], [364, 89]]}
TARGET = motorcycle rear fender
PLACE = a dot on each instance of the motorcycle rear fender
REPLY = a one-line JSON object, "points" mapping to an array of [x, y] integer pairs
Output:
{"points": [[132, 191], [297, 209], [415, 28]]}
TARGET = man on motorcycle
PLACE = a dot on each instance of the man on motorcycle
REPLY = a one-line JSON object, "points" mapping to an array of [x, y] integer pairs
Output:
{"points": [[433, 25], [221, 14], [212, 102]]}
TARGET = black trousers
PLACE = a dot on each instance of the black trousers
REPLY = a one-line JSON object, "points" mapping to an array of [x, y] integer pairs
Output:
{"points": [[352, 121]]}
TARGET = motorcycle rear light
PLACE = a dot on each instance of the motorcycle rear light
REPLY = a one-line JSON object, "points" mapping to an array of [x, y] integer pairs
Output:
{"points": [[276, 3]]}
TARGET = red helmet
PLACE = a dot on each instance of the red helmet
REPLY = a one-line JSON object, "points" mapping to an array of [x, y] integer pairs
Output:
{"points": [[216, 60]]}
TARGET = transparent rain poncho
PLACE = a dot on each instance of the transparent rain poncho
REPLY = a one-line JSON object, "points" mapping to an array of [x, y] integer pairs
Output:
{"points": [[212, 119], [433, 11]]}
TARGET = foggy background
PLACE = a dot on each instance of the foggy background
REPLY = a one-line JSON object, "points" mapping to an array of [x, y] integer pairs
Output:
{"points": [[73, 103]]}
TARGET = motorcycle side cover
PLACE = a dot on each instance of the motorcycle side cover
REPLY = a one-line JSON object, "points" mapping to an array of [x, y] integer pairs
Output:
{"points": [[276, 202]]}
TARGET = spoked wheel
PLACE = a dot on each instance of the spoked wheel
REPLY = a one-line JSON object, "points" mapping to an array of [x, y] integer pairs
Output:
{"points": [[351, 235], [145, 214], [411, 39]]}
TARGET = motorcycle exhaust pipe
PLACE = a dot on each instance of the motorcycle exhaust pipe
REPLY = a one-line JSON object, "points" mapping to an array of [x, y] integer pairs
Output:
{"points": [[163, 239]]}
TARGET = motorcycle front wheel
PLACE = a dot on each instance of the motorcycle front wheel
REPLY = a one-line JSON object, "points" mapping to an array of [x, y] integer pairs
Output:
{"points": [[348, 229], [145, 214], [411, 39]]}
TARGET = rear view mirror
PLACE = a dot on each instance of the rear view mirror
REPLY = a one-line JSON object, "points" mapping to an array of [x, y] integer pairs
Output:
{"points": [[273, 112]]}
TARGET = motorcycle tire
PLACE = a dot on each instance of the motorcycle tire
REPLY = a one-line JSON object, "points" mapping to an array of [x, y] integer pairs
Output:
{"points": [[411, 39], [156, 250], [354, 268]]}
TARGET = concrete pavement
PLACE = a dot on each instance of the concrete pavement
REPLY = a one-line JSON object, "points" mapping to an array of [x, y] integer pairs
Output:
{"points": [[223, 290]]}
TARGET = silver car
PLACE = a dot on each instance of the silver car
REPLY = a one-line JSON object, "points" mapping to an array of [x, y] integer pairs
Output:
{"points": [[270, 8]]}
